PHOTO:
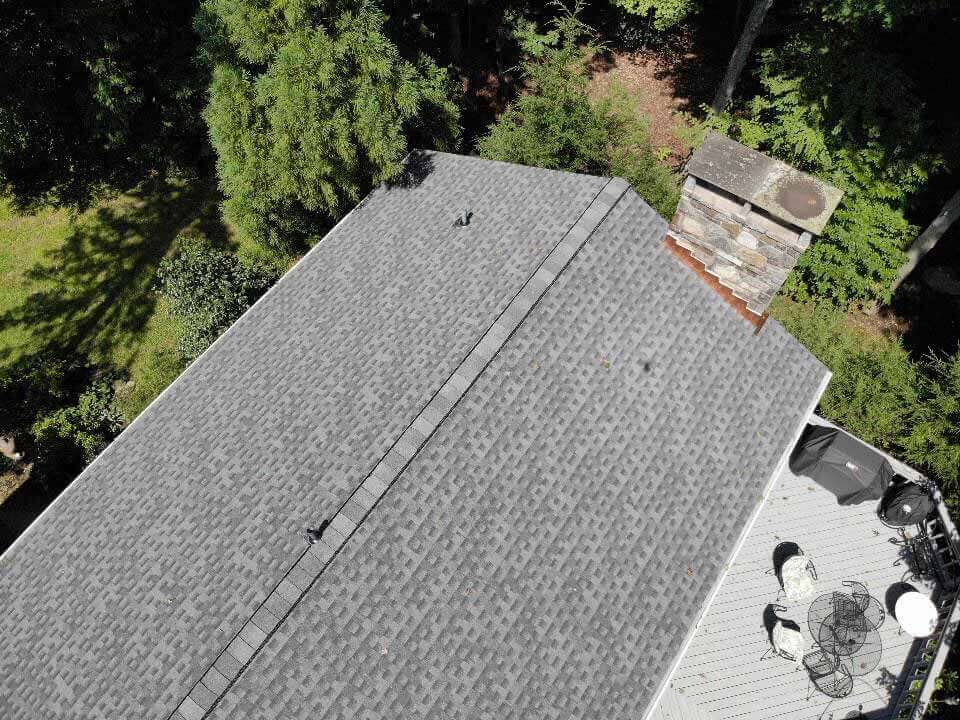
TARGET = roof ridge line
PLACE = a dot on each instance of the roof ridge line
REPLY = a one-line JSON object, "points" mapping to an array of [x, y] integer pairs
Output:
{"points": [[227, 667]]}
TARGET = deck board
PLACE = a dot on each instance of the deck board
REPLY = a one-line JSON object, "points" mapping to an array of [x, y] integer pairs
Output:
{"points": [[722, 676]]}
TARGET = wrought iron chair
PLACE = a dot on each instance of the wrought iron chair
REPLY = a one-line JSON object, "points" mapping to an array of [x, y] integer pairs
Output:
{"points": [[786, 640], [869, 606], [915, 551], [827, 674]]}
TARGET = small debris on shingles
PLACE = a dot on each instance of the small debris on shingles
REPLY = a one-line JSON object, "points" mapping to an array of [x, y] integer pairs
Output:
{"points": [[690, 571], [605, 362]]}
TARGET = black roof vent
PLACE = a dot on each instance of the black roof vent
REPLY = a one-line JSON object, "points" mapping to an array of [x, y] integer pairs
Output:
{"points": [[464, 218]]}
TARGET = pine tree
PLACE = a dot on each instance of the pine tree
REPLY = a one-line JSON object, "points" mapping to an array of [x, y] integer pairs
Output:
{"points": [[311, 105]]}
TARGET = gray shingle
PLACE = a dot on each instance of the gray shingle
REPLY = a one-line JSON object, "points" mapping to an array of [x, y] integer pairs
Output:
{"points": [[547, 550], [494, 577]]}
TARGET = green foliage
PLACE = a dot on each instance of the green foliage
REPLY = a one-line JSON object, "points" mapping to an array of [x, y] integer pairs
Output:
{"points": [[29, 388], [836, 100], [60, 411], [310, 105], [557, 125], [935, 439], [95, 95], [874, 392], [878, 393], [666, 13], [207, 290], [533, 41], [83, 428], [858, 255]]}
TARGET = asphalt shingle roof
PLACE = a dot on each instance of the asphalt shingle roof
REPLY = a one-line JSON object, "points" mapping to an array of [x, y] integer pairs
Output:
{"points": [[562, 481]]}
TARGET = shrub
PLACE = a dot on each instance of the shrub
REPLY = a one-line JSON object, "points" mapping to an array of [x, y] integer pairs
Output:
{"points": [[875, 389], [60, 410], [935, 440], [82, 430], [909, 408], [207, 290], [557, 125]]}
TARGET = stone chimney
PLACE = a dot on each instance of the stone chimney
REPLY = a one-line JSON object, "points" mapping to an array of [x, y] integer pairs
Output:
{"points": [[747, 217]]}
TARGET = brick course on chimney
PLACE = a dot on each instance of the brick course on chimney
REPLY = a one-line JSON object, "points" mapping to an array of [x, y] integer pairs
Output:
{"points": [[731, 218]]}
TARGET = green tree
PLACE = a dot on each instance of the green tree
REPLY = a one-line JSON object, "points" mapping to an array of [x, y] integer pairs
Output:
{"points": [[60, 410], [910, 408], [206, 290], [96, 94], [557, 125], [836, 98], [310, 105], [77, 433], [664, 14], [741, 52], [934, 441]]}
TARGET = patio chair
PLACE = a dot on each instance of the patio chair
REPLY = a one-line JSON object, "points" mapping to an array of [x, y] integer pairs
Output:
{"points": [[786, 640], [871, 608], [795, 572], [827, 675]]}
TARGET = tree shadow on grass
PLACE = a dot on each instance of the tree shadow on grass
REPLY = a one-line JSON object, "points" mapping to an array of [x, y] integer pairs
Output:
{"points": [[96, 292]]}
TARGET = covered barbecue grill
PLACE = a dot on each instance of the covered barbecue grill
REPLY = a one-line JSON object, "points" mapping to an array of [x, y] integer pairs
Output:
{"points": [[906, 503], [848, 468]]}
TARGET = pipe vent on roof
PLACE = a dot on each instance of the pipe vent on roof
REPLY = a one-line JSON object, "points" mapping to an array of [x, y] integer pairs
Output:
{"points": [[463, 219]]}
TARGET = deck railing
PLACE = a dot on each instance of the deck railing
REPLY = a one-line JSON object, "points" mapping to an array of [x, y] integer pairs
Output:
{"points": [[925, 666]]}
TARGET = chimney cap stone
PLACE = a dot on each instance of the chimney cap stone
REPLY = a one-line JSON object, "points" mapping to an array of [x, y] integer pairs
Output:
{"points": [[786, 193]]}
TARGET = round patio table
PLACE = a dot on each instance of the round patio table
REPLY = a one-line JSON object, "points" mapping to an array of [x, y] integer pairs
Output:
{"points": [[839, 604], [843, 630], [858, 648]]}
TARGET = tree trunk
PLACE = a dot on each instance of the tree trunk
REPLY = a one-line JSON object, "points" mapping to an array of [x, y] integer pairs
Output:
{"points": [[455, 31], [930, 237], [739, 58]]}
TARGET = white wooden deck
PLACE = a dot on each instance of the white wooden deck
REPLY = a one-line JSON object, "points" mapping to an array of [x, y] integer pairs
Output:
{"points": [[721, 676]]}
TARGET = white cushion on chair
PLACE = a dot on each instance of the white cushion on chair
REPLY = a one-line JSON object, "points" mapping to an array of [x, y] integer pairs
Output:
{"points": [[799, 584], [789, 641]]}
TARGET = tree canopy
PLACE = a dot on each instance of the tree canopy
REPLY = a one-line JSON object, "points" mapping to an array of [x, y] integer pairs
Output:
{"points": [[837, 96], [96, 94], [665, 14], [310, 105], [558, 125]]}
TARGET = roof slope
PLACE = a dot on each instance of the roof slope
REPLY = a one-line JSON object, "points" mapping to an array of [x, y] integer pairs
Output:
{"points": [[546, 550]]}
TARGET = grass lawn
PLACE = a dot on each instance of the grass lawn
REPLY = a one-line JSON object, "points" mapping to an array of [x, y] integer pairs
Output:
{"points": [[86, 282]]}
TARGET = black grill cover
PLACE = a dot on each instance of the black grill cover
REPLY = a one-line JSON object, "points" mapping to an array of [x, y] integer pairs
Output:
{"points": [[842, 464], [906, 503]]}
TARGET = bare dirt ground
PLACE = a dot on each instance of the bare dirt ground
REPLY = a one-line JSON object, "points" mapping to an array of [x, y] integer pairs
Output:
{"points": [[644, 78]]}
